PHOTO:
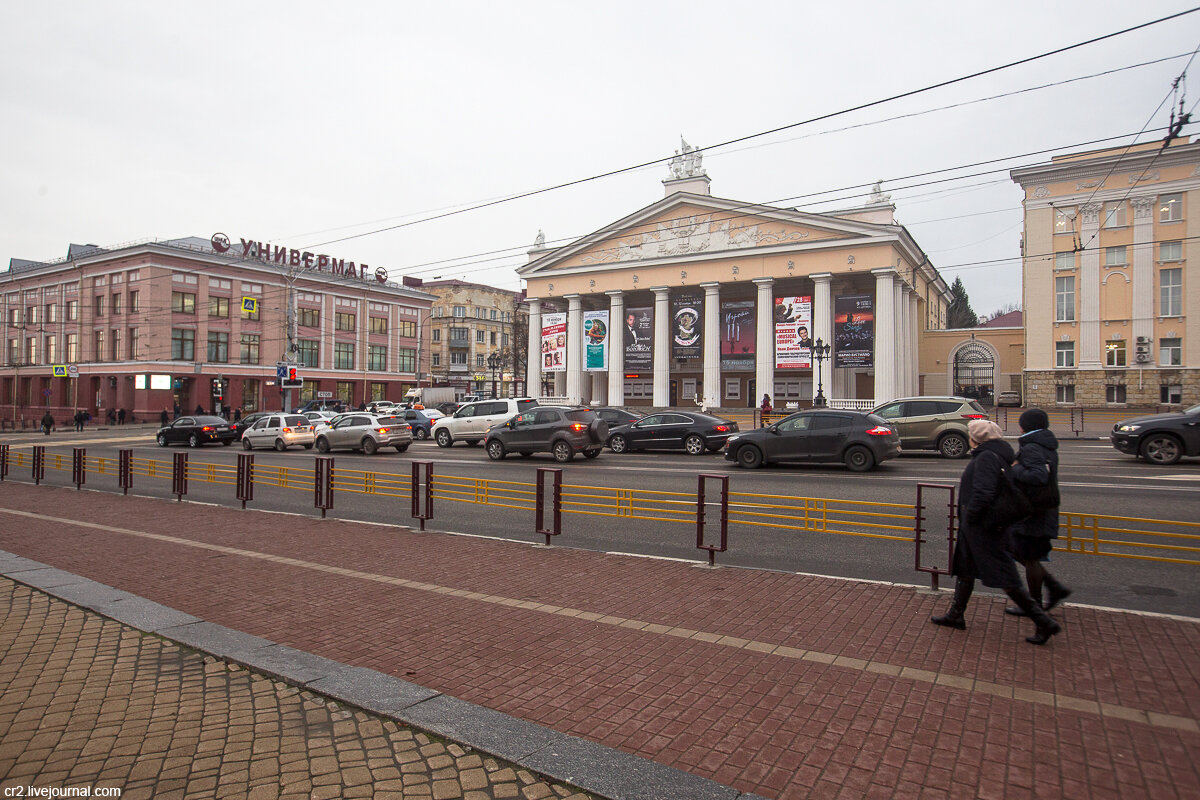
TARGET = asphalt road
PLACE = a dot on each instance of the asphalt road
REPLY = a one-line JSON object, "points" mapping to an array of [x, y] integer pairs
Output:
{"points": [[1094, 478]]}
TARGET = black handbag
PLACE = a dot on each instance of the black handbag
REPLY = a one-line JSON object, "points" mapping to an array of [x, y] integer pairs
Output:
{"points": [[1012, 505]]}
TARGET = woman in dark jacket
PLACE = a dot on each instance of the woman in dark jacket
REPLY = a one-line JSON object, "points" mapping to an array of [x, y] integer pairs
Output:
{"points": [[1036, 472], [982, 549]]}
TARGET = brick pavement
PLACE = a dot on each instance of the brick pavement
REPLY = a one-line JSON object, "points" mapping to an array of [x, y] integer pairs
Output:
{"points": [[785, 685]]}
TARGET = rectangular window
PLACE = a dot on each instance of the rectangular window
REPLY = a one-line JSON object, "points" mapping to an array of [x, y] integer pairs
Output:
{"points": [[218, 307], [115, 345], [133, 344], [72, 354], [378, 324], [504, 340], [183, 344], [135, 303], [406, 328], [1063, 222], [479, 362], [1064, 261], [1114, 353], [1114, 393], [343, 355], [249, 354], [435, 359], [437, 334], [309, 354], [479, 337], [1170, 251], [51, 349], [376, 358], [1064, 393], [460, 311], [14, 351], [218, 347], [309, 318], [1115, 257], [1114, 215], [31, 349], [408, 359], [116, 304], [98, 345], [1170, 208], [343, 321], [1170, 297], [458, 358], [72, 310], [1064, 299], [183, 302], [52, 312], [733, 388], [492, 338], [98, 308], [1170, 352], [1064, 355], [1171, 393], [459, 337]]}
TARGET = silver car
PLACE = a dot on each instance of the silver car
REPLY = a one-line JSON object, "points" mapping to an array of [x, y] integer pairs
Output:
{"points": [[358, 430], [280, 431]]}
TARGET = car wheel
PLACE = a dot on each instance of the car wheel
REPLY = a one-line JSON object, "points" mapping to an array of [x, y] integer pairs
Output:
{"points": [[193, 441], [563, 452], [162, 440], [495, 449], [369, 446], [400, 448], [1162, 449], [859, 459], [694, 445], [618, 444], [953, 445], [750, 457], [443, 438], [421, 433], [246, 445], [322, 445], [591, 453], [279, 445]]}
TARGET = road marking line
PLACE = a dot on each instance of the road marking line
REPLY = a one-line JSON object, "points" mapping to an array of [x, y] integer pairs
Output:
{"points": [[968, 684]]}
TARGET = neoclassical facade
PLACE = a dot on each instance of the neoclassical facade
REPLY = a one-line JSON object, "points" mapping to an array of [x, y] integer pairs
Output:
{"points": [[717, 297], [1112, 298]]}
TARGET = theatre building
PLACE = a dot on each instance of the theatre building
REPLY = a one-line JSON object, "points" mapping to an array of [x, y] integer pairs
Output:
{"points": [[199, 322], [697, 299]]}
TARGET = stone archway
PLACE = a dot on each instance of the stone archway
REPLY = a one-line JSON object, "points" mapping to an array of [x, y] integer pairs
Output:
{"points": [[973, 371]]}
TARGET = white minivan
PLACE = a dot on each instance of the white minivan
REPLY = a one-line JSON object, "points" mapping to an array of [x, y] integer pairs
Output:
{"points": [[471, 421]]}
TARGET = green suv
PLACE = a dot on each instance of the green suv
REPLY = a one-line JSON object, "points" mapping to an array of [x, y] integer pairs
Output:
{"points": [[932, 423]]}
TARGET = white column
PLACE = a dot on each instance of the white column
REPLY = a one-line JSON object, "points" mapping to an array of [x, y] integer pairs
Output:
{"points": [[1090, 355], [662, 347], [616, 348], [885, 340], [574, 348], [764, 373], [914, 337], [901, 341], [712, 389], [822, 322], [599, 388], [533, 364], [1143, 272]]}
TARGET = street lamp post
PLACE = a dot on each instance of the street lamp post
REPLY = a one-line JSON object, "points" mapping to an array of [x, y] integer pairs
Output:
{"points": [[494, 360], [820, 353]]}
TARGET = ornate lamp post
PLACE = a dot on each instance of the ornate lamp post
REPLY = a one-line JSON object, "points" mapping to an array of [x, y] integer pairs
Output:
{"points": [[820, 353], [494, 361]]}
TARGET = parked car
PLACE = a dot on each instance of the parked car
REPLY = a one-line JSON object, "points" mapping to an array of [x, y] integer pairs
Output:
{"points": [[280, 431], [327, 404], [561, 430], [245, 422], [1160, 438], [859, 440], [197, 430], [1008, 399], [358, 430], [615, 417], [382, 406], [470, 423], [932, 423], [421, 420], [690, 431]]}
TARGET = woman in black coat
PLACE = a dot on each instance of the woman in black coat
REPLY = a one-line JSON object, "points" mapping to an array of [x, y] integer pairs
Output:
{"points": [[1036, 472], [982, 549]]}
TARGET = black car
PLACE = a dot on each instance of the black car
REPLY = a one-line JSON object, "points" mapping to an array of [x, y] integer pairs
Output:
{"points": [[673, 430], [560, 430], [616, 417], [197, 430], [859, 440], [1160, 438], [248, 421]]}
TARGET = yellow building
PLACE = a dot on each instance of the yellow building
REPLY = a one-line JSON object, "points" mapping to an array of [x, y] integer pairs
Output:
{"points": [[1111, 299], [473, 329]]}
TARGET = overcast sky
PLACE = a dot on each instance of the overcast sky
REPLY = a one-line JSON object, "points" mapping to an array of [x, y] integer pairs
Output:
{"points": [[303, 122]]}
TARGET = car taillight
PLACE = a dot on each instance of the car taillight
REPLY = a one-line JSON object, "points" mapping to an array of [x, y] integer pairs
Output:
{"points": [[974, 416], [720, 428], [879, 430], [206, 428], [578, 426], [382, 430]]}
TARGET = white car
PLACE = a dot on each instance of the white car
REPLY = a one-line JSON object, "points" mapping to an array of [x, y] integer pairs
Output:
{"points": [[470, 422], [280, 431]]}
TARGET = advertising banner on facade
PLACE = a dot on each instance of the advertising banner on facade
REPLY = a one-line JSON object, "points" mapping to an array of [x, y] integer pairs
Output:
{"points": [[595, 341], [853, 330], [687, 319], [737, 335], [793, 332], [639, 338], [554, 342]]}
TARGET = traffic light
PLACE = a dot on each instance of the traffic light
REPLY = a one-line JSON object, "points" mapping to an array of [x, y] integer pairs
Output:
{"points": [[291, 379], [218, 391]]}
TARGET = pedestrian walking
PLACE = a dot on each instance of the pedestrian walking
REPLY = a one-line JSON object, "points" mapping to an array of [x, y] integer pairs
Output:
{"points": [[983, 547], [79, 418], [237, 414], [178, 411], [47, 422], [765, 407], [111, 417], [1036, 474], [121, 416], [164, 418], [199, 410]]}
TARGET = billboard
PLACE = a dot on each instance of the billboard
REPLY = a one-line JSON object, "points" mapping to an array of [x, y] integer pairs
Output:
{"points": [[639, 334], [687, 317], [853, 330], [554, 342], [737, 335], [595, 341], [793, 332]]}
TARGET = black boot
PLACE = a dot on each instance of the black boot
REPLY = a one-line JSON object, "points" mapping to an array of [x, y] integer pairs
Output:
{"points": [[963, 587], [1046, 627], [1056, 590]]}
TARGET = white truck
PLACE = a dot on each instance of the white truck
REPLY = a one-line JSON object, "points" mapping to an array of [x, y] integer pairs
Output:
{"points": [[430, 396]]}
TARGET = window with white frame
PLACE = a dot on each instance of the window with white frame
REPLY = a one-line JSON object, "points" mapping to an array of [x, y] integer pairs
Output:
{"points": [[1114, 215], [1170, 292], [1114, 393], [1114, 353], [1064, 299], [1170, 352], [435, 359], [1064, 393], [458, 358], [1171, 393], [460, 311], [1170, 207], [343, 355], [479, 361], [1170, 251], [1062, 222], [1115, 257], [479, 337], [1064, 355], [1064, 261]]}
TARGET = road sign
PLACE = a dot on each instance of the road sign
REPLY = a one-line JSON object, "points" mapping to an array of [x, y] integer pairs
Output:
{"points": [[73, 370], [59, 370], [324, 395], [46, 393], [281, 369]]}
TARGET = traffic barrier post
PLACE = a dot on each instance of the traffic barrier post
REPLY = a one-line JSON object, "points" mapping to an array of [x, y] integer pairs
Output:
{"points": [[125, 470], [422, 491], [78, 466], [179, 476], [323, 484], [920, 529], [1077, 421], [39, 464], [721, 504], [555, 477], [3, 461], [245, 477]]}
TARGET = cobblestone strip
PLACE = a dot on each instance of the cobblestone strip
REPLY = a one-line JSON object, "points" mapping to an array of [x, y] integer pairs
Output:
{"points": [[88, 702]]}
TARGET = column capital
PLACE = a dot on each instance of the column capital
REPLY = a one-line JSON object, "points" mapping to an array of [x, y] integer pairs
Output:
{"points": [[571, 296], [821, 277], [615, 293], [760, 282], [660, 291], [881, 272], [709, 285]]}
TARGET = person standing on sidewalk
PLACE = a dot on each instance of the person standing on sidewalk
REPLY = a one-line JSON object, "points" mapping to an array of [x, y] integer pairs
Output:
{"points": [[79, 418], [1036, 474], [982, 549], [164, 418], [47, 422]]}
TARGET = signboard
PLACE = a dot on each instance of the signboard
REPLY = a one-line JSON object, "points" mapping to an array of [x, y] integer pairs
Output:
{"points": [[319, 262], [638, 338], [595, 341], [737, 335], [59, 370], [793, 332], [73, 370], [554, 342], [687, 320], [853, 330], [324, 395]]}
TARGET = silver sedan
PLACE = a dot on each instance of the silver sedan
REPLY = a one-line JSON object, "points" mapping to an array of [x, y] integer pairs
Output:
{"points": [[280, 431]]}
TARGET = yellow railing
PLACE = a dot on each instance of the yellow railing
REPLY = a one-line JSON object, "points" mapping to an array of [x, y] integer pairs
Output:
{"points": [[1127, 537]]}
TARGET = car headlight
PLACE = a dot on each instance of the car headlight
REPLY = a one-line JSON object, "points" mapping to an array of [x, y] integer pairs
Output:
{"points": [[1128, 428]]}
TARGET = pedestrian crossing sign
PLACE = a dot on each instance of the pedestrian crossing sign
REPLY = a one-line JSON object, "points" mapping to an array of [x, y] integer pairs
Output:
{"points": [[60, 370], [250, 305]]}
